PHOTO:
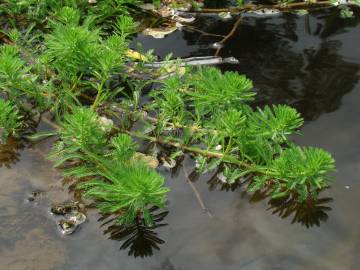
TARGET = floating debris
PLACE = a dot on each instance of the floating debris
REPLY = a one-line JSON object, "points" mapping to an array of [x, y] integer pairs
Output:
{"points": [[182, 19], [136, 55], [225, 16], [159, 32], [165, 12], [196, 61], [266, 12], [151, 161]]}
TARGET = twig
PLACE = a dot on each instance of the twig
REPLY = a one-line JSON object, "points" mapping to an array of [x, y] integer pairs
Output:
{"points": [[233, 30], [197, 195], [281, 6], [202, 32]]}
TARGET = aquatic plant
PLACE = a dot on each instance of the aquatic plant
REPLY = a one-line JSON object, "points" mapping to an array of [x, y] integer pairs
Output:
{"points": [[118, 181], [10, 120], [76, 66]]}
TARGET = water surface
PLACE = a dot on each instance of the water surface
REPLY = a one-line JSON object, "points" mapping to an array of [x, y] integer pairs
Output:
{"points": [[311, 62]]}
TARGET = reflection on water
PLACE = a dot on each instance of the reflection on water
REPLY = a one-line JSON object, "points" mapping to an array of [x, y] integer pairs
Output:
{"points": [[310, 62], [139, 239], [10, 152], [308, 213]]}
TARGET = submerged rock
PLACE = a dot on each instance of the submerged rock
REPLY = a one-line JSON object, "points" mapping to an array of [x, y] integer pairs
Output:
{"points": [[72, 218], [67, 226], [159, 32], [76, 217], [64, 208], [34, 195], [168, 163]]}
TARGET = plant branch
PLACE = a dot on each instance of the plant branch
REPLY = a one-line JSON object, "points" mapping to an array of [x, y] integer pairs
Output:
{"points": [[197, 194], [233, 30], [281, 6]]}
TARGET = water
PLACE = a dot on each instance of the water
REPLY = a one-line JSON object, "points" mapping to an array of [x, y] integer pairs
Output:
{"points": [[311, 62]]}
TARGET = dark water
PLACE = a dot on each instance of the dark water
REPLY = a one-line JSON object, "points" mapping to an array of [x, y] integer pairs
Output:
{"points": [[311, 62]]}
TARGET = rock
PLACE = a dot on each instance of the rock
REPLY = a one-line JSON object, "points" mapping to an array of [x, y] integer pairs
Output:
{"points": [[33, 195], [168, 163], [64, 208], [67, 226], [77, 217]]}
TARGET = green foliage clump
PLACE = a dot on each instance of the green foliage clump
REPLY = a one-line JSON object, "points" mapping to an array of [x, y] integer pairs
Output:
{"points": [[74, 53], [302, 171], [212, 108], [120, 184], [133, 187], [10, 120]]}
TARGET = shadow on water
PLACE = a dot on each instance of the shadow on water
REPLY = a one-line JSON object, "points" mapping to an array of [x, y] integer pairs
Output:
{"points": [[139, 239]]}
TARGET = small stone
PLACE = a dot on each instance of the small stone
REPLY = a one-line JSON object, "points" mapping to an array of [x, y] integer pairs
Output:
{"points": [[64, 208], [67, 226], [347, 187], [33, 195], [77, 217]]}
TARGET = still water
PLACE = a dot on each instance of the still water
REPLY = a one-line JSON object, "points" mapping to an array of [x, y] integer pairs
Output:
{"points": [[311, 62]]}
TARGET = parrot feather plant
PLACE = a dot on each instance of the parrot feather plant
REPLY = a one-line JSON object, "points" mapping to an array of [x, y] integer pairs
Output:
{"points": [[75, 68]]}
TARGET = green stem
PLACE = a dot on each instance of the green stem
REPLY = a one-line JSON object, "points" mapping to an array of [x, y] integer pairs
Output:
{"points": [[99, 92], [196, 150]]}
